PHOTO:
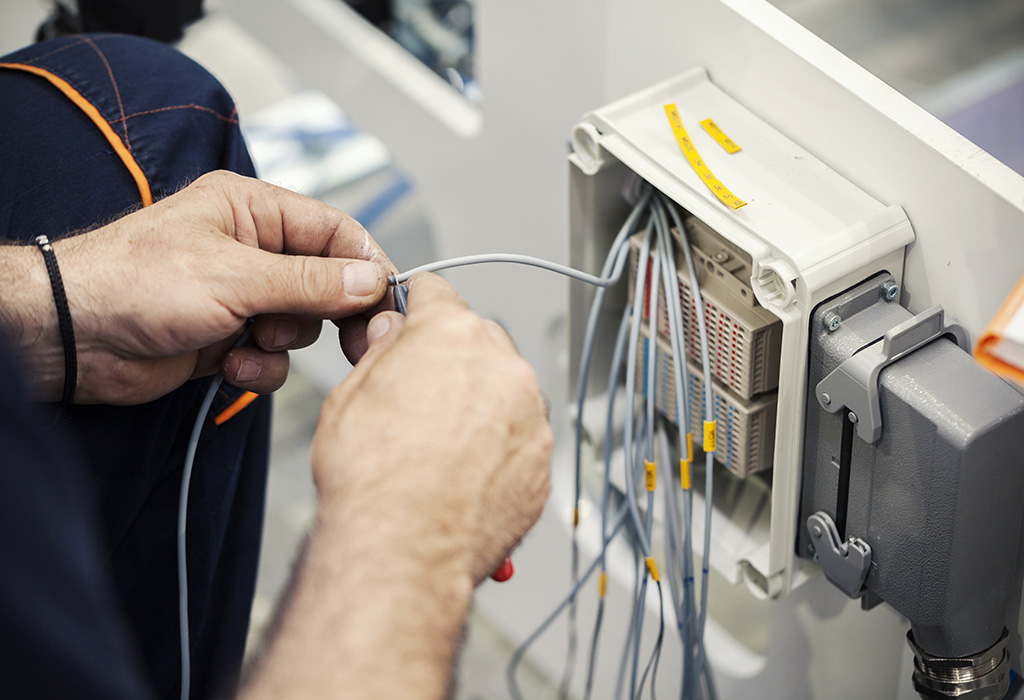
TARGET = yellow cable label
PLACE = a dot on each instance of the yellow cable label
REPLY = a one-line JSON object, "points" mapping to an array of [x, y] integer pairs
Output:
{"points": [[650, 475], [689, 447], [575, 516], [690, 151], [710, 435], [602, 584], [718, 135], [684, 473], [652, 567]]}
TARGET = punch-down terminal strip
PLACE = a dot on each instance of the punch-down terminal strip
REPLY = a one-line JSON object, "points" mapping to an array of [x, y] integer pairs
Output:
{"points": [[744, 341]]}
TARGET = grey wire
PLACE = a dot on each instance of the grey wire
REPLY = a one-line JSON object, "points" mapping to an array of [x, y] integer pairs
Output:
{"points": [[186, 480], [627, 645], [631, 350], [617, 255], [514, 258], [638, 633], [401, 293], [685, 606], [631, 473], [609, 440], [656, 652], [517, 656], [709, 414]]}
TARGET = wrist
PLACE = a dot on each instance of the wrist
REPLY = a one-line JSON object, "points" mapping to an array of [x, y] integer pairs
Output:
{"points": [[28, 319]]}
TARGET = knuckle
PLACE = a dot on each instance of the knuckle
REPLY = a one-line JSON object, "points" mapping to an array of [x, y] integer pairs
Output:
{"points": [[312, 281]]}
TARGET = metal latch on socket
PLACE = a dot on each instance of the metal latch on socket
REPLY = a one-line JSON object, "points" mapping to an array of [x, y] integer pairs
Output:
{"points": [[845, 564], [854, 384]]}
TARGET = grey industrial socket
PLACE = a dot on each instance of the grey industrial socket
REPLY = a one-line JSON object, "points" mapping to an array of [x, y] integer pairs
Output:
{"points": [[935, 499]]}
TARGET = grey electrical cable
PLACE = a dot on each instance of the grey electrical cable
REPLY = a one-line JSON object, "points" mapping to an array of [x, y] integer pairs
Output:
{"points": [[510, 672], [656, 652], [609, 441], [631, 627], [650, 399], [616, 258], [631, 350], [708, 410], [513, 258], [634, 465], [685, 607], [186, 480]]}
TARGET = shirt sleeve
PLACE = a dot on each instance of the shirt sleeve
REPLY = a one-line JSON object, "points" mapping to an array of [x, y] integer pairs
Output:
{"points": [[61, 630]]}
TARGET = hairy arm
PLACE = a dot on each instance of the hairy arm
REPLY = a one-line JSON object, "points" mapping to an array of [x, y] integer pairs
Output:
{"points": [[160, 295], [431, 461]]}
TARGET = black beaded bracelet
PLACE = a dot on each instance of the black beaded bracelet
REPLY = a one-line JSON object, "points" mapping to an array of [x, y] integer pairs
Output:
{"points": [[67, 331]]}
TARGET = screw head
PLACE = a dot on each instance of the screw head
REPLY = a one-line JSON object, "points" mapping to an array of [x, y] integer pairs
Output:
{"points": [[890, 290], [816, 531], [720, 256], [832, 321], [826, 399], [853, 417]]}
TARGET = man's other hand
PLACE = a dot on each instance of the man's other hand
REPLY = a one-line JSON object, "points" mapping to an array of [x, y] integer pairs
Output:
{"points": [[439, 439]]}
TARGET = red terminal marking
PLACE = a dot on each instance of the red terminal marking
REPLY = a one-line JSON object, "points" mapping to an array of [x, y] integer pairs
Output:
{"points": [[504, 572]]}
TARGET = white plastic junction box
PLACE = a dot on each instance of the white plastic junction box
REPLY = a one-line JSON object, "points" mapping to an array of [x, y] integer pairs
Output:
{"points": [[809, 233]]}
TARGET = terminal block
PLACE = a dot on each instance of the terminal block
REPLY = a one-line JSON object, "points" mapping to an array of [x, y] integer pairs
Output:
{"points": [[744, 343]]}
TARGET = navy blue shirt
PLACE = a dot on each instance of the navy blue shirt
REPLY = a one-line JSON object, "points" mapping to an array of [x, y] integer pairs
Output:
{"points": [[89, 542], [63, 633]]}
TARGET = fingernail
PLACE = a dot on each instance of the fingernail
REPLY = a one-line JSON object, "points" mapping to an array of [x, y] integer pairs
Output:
{"points": [[377, 328], [285, 333], [361, 278], [248, 371]]}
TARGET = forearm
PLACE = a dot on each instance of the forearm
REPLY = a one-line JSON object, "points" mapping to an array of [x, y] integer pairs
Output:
{"points": [[371, 615], [28, 318]]}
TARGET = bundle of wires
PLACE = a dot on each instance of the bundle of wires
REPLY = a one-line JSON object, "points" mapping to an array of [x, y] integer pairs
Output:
{"points": [[656, 269]]}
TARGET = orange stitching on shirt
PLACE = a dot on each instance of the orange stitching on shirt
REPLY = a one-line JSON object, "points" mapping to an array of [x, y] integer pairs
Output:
{"points": [[230, 120], [66, 47], [113, 82], [94, 115]]}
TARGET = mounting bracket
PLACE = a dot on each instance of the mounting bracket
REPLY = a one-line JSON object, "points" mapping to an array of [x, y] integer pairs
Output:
{"points": [[854, 383]]}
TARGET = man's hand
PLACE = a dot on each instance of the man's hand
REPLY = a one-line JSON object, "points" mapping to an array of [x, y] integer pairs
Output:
{"points": [[161, 295], [432, 460], [457, 422]]}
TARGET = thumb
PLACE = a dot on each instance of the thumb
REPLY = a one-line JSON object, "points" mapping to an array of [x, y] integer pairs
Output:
{"points": [[310, 286], [383, 328]]}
